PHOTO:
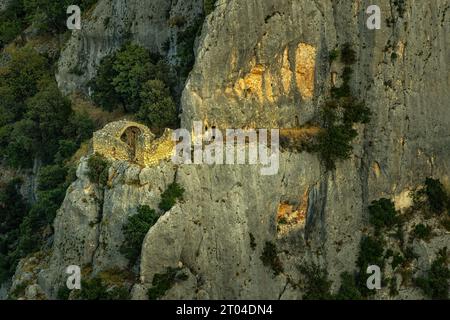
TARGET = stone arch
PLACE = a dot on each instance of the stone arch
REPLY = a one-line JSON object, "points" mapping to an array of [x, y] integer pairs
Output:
{"points": [[130, 136]]}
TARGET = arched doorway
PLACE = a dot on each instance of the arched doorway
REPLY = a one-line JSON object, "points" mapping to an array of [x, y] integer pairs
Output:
{"points": [[130, 136]]}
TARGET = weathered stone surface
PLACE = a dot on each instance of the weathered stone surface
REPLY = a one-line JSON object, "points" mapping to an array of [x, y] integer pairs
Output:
{"points": [[111, 24], [265, 64]]}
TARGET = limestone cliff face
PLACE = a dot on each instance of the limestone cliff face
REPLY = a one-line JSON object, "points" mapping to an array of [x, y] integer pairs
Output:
{"points": [[110, 24], [265, 64]]}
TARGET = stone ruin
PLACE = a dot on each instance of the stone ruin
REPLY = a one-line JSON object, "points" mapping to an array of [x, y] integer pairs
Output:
{"points": [[130, 141]]}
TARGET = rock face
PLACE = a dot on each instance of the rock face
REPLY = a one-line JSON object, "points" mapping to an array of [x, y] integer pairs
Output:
{"points": [[112, 23], [265, 64]]}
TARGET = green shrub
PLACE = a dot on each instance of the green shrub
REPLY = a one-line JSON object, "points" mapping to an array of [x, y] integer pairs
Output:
{"points": [[436, 194], [383, 214], [132, 66], [317, 285], [12, 22], [355, 112], [435, 284], [135, 230], [393, 291], [98, 168], [93, 289], [422, 231], [170, 196], [19, 79], [348, 289], [397, 260], [271, 259], [103, 90], [335, 144], [63, 293], [158, 110], [370, 253], [51, 177], [121, 76], [164, 281]]}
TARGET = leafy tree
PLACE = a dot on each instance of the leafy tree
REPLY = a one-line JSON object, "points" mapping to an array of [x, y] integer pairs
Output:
{"points": [[12, 22], [383, 214], [50, 110], [132, 66], [12, 206], [104, 92], [125, 78], [334, 144], [158, 109], [22, 144], [51, 177], [436, 194], [19, 79], [134, 231]]}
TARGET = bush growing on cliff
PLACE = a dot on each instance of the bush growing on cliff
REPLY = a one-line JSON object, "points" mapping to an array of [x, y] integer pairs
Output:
{"points": [[334, 144], [371, 252], [271, 259], [437, 197], [338, 116], [317, 285], [170, 196], [348, 289], [98, 168], [164, 281], [422, 231], [134, 231], [383, 214], [435, 284]]}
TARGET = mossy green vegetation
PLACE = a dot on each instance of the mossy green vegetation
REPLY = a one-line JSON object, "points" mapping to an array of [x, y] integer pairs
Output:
{"points": [[162, 282]]}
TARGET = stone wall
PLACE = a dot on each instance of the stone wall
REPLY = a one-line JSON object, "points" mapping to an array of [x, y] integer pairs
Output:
{"points": [[148, 150]]}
